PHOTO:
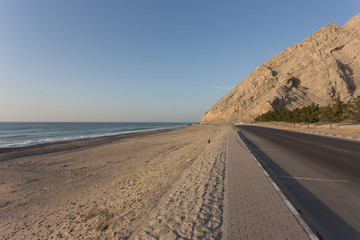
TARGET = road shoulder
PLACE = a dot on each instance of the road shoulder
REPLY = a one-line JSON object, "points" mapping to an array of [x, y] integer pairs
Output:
{"points": [[255, 208]]}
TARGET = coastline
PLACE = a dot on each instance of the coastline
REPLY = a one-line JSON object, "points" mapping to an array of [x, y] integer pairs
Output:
{"points": [[52, 147], [109, 187]]}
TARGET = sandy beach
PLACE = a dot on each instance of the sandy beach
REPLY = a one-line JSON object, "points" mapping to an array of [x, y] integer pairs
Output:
{"points": [[164, 184]]}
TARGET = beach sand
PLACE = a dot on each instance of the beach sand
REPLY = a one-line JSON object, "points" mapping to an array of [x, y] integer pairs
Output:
{"points": [[156, 185]]}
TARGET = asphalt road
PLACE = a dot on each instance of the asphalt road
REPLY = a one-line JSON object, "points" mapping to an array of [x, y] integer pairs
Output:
{"points": [[320, 176]]}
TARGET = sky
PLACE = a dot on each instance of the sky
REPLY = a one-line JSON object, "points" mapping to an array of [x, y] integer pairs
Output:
{"points": [[142, 60]]}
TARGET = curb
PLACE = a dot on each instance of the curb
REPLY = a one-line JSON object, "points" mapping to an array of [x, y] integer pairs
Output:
{"points": [[339, 135], [225, 215], [292, 209], [329, 134]]}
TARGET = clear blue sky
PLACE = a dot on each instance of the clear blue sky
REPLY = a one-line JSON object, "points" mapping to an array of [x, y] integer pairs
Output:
{"points": [[132, 60]]}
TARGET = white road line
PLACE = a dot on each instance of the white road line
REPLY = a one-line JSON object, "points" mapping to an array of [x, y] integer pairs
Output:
{"points": [[341, 150], [314, 179], [285, 200], [272, 149], [255, 139]]}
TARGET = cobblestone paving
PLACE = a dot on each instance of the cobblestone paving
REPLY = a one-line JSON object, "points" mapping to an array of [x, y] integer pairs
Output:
{"points": [[253, 207]]}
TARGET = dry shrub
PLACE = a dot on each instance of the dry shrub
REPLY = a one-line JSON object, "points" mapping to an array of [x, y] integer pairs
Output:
{"points": [[105, 217]]}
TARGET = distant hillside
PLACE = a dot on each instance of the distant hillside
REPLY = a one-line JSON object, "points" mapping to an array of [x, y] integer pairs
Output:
{"points": [[320, 69]]}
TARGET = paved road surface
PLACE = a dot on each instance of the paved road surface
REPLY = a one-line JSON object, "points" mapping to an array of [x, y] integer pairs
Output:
{"points": [[254, 209], [319, 175]]}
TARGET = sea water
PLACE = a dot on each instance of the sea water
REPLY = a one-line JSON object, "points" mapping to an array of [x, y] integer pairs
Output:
{"points": [[18, 134]]}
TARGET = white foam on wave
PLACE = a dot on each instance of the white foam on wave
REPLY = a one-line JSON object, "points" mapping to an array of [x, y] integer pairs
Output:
{"points": [[66, 139]]}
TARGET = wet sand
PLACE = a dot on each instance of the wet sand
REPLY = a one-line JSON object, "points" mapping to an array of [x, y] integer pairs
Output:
{"points": [[153, 185]]}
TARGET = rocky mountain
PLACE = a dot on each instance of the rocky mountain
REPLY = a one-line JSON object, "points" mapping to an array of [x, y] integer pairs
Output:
{"points": [[323, 67]]}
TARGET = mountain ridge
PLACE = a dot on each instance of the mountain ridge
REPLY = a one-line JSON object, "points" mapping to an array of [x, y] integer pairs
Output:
{"points": [[319, 69]]}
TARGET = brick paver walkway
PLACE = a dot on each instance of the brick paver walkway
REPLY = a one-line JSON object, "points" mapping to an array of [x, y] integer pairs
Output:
{"points": [[254, 207]]}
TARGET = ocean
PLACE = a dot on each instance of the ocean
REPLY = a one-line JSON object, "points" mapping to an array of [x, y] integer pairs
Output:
{"points": [[19, 134]]}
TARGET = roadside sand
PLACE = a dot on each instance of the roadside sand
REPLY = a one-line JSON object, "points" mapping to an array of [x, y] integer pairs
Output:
{"points": [[346, 128], [194, 207], [145, 186]]}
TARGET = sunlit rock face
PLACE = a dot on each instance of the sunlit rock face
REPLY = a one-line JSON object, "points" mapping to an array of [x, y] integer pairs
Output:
{"points": [[323, 67]]}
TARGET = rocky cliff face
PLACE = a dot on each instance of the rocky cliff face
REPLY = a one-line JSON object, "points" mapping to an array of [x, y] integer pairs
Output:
{"points": [[318, 70]]}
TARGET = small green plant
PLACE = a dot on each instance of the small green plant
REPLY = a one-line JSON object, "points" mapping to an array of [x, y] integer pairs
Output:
{"points": [[336, 112]]}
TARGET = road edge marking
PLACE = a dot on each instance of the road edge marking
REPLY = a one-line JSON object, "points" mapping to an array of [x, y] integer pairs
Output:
{"points": [[326, 134], [314, 179], [291, 208]]}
